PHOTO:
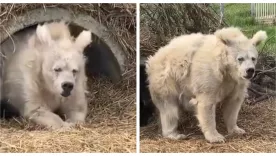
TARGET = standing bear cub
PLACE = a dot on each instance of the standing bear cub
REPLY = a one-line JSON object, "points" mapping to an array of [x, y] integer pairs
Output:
{"points": [[46, 74], [196, 72]]}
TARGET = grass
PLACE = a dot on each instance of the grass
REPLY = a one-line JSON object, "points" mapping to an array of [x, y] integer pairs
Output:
{"points": [[239, 15]]}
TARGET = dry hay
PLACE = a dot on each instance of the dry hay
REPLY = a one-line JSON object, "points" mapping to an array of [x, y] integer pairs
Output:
{"points": [[162, 22], [111, 122], [120, 19], [258, 121]]}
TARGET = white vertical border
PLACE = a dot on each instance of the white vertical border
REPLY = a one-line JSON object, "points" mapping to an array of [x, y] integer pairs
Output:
{"points": [[137, 77]]}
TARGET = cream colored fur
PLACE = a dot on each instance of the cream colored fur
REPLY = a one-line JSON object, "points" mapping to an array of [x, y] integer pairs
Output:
{"points": [[199, 71], [34, 86]]}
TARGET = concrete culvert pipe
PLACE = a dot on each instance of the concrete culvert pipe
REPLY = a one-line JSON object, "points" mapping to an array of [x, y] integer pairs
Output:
{"points": [[104, 54]]}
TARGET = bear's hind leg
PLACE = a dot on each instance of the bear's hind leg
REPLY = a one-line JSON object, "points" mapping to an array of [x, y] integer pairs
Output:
{"points": [[169, 114]]}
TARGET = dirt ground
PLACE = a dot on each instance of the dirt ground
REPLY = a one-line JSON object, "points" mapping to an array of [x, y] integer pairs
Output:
{"points": [[110, 127], [259, 121]]}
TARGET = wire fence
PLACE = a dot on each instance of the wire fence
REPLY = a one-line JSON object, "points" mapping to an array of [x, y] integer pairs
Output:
{"points": [[264, 12]]}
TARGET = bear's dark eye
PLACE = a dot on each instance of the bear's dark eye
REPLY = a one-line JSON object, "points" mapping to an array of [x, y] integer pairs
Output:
{"points": [[74, 71], [253, 58], [58, 69], [241, 59]]}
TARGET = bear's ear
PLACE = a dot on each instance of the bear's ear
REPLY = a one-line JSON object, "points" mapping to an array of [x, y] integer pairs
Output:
{"points": [[227, 42], [259, 37], [43, 34], [228, 35], [83, 40]]}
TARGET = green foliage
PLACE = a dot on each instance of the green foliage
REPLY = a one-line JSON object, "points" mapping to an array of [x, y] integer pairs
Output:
{"points": [[239, 15]]}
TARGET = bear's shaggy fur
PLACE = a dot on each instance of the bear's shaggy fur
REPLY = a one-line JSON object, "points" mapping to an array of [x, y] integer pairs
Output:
{"points": [[196, 72], [46, 74]]}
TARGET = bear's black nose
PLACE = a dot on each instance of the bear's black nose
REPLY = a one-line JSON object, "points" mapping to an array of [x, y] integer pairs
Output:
{"points": [[67, 86], [250, 71]]}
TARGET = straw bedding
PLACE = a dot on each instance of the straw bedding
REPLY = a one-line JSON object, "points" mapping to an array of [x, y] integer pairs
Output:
{"points": [[258, 121]]}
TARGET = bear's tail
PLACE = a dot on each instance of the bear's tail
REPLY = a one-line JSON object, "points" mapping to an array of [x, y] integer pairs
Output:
{"points": [[7, 111]]}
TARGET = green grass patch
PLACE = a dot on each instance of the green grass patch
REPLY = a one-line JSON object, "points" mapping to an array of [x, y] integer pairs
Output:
{"points": [[239, 15]]}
